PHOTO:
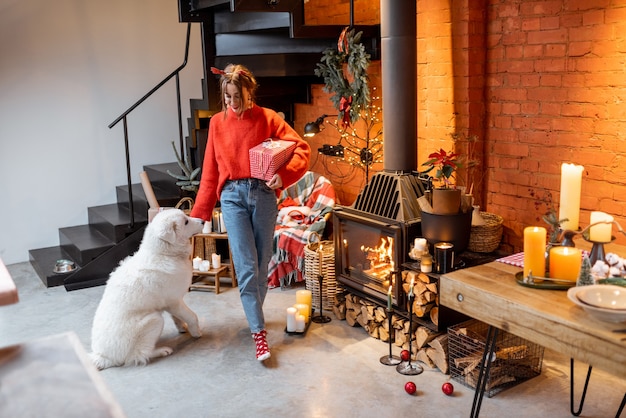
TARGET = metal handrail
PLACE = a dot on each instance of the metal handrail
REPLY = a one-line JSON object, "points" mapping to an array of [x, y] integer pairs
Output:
{"points": [[123, 117]]}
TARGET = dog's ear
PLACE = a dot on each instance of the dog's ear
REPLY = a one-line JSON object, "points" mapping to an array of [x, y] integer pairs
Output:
{"points": [[168, 231]]}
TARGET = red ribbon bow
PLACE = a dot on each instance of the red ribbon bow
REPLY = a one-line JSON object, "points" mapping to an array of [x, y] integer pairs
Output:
{"points": [[344, 106], [217, 71]]}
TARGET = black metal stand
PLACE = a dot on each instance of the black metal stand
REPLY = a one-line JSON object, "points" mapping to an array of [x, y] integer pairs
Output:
{"points": [[409, 368], [571, 391], [485, 367], [390, 360], [321, 319]]}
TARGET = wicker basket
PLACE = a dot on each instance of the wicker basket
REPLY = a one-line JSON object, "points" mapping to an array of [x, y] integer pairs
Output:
{"points": [[330, 287], [486, 238]]}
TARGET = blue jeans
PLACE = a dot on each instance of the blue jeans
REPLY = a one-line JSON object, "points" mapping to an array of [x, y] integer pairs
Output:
{"points": [[249, 209]]}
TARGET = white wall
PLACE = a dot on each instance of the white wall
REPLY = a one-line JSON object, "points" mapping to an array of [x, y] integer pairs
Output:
{"points": [[68, 68]]}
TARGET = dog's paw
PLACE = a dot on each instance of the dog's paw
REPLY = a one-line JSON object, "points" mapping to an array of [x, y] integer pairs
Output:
{"points": [[196, 334], [162, 352]]}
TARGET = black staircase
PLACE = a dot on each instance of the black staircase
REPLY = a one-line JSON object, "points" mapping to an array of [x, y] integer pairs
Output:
{"points": [[269, 37]]}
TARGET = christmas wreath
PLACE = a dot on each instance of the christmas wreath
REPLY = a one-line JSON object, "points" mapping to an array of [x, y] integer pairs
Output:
{"points": [[351, 90]]}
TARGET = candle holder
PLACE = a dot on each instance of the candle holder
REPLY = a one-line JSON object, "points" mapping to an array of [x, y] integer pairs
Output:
{"points": [[597, 250], [409, 368], [390, 360], [321, 319]]}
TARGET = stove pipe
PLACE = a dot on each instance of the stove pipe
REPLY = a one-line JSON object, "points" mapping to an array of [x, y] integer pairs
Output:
{"points": [[398, 27]]}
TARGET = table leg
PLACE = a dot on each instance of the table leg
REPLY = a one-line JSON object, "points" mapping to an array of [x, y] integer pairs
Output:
{"points": [[485, 366], [571, 393], [621, 406]]}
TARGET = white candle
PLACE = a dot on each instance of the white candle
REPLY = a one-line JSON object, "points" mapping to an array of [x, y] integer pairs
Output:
{"points": [[303, 310], [300, 323], [601, 232], [411, 288], [291, 319], [216, 260], [389, 299], [205, 265], [321, 259], [196, 263], [569, 206]]}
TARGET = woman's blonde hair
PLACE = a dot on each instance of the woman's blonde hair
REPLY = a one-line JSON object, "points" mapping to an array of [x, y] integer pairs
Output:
{"points": [[240, 77]]}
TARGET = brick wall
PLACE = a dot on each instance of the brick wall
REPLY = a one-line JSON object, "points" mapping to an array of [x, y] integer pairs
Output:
{"points": [[540, 83]]}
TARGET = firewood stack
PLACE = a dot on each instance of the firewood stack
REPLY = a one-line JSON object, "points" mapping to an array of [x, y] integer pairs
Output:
{"points": [[427, 346], [425, 289]]}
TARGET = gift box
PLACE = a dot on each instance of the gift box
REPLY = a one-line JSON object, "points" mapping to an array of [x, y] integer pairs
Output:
{"points": [[267, 157]]}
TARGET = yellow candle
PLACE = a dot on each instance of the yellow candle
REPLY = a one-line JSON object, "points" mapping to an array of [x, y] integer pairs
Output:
{"points": [[569, 206], [303, 310], [602, 232], [304, 297], [535, 250], [565, 263]]}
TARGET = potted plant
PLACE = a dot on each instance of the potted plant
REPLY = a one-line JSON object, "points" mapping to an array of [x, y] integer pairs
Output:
{"points": [[446, 199]]}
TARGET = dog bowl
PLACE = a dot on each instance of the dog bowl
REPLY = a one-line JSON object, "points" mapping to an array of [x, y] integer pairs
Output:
{"points": [[64, 266]]}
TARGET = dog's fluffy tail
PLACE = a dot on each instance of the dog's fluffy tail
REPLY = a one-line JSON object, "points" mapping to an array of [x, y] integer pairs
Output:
{"points": [[100, 362]]}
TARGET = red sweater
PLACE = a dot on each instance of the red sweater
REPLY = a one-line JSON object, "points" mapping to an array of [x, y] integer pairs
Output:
{"points": [[227, 158]]}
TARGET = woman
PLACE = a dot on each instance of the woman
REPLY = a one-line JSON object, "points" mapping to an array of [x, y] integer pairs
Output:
{"points": [[248, 205]]}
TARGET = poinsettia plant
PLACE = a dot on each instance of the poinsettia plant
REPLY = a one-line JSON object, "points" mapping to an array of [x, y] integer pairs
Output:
{"points": [[446, 164]]}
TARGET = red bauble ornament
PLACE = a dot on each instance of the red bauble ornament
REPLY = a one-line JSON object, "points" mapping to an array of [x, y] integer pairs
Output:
{"points": [[447, 388], [410, 388], [404, 355]]}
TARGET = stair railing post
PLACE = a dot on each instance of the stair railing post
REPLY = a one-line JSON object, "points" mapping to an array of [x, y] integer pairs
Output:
{"points": [[128, 176]]}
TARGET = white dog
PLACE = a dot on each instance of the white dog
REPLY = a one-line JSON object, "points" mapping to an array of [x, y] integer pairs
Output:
{"points": [[129, 319]]}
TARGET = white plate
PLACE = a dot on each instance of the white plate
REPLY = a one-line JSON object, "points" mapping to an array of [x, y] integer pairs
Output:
{"points": [[602, 314], [604, 296]]}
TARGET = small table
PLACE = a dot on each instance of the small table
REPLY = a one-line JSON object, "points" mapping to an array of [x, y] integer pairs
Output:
{"points": [[214, 273]]}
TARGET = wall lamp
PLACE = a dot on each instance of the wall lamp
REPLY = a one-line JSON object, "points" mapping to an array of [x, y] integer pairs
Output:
{"points": [[314, 128]]}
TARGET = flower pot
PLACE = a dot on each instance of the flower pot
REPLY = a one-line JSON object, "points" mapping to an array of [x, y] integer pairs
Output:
{"points": [[455, 229], [446, 201]]}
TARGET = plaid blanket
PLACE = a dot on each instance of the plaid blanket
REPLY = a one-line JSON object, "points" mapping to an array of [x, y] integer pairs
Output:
{"points": [[302, 210]]}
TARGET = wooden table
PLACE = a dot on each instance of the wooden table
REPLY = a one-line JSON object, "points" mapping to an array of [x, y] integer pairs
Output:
{"points": [[490, 293]]}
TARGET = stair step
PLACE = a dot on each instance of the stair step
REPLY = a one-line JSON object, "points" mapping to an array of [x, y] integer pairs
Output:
{"points": [[83, 243], [113, 220], [43, 261], [141, 205]]}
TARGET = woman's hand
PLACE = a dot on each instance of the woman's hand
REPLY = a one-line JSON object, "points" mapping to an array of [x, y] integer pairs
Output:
{"points": [[275, 183]]}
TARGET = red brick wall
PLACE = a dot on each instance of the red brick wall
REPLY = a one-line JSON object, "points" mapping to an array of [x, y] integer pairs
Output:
{"points": [[539, 82]]}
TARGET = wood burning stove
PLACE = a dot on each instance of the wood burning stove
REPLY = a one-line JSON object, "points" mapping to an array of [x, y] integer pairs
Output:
{"points": [[369, 253]]}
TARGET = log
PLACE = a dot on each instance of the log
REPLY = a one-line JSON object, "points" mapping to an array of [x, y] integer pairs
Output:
{"points": [[423, 357], [351, 318], [383, 334], [434, 315], [421, 310], [423, 336], [424, 278], [438, 352]]}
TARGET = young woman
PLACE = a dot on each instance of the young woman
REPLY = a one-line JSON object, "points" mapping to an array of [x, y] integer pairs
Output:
{"points": [[248, 205]]}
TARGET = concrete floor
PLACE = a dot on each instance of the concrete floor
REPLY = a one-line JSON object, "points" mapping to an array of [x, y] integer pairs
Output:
{"points": [[332, 371]]}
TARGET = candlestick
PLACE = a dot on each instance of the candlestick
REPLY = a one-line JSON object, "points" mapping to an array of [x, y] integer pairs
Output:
{"points": [[565, 263], [535, 250], [390, 359], [601, 232], [410, 368], [569, 206], [291, 319], [389, 300]]}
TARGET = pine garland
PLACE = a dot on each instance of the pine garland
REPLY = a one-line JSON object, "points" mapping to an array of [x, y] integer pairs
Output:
{"points": [[350, 97]]}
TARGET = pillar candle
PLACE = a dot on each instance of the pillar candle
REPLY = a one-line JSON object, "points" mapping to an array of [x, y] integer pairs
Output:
{"points": [[569, 206], [565, 263], [303, 310], [602, 232], [216, 261], [196, 263], [300, 323], [426, 263], [304, 297], [535, 250], [291, 319]]}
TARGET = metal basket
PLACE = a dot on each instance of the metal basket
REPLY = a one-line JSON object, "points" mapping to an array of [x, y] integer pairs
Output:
{"points": [[516, 359]]}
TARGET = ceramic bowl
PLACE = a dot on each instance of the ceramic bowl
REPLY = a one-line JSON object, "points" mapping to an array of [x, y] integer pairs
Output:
{"points": [[604, 296], [601, 314]]}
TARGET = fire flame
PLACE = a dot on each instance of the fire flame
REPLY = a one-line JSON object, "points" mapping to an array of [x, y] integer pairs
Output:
{"points": [[381, 257]]}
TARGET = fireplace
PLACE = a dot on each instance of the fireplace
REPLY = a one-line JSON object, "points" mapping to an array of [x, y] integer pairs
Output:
{"points": [[369, 253]]}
